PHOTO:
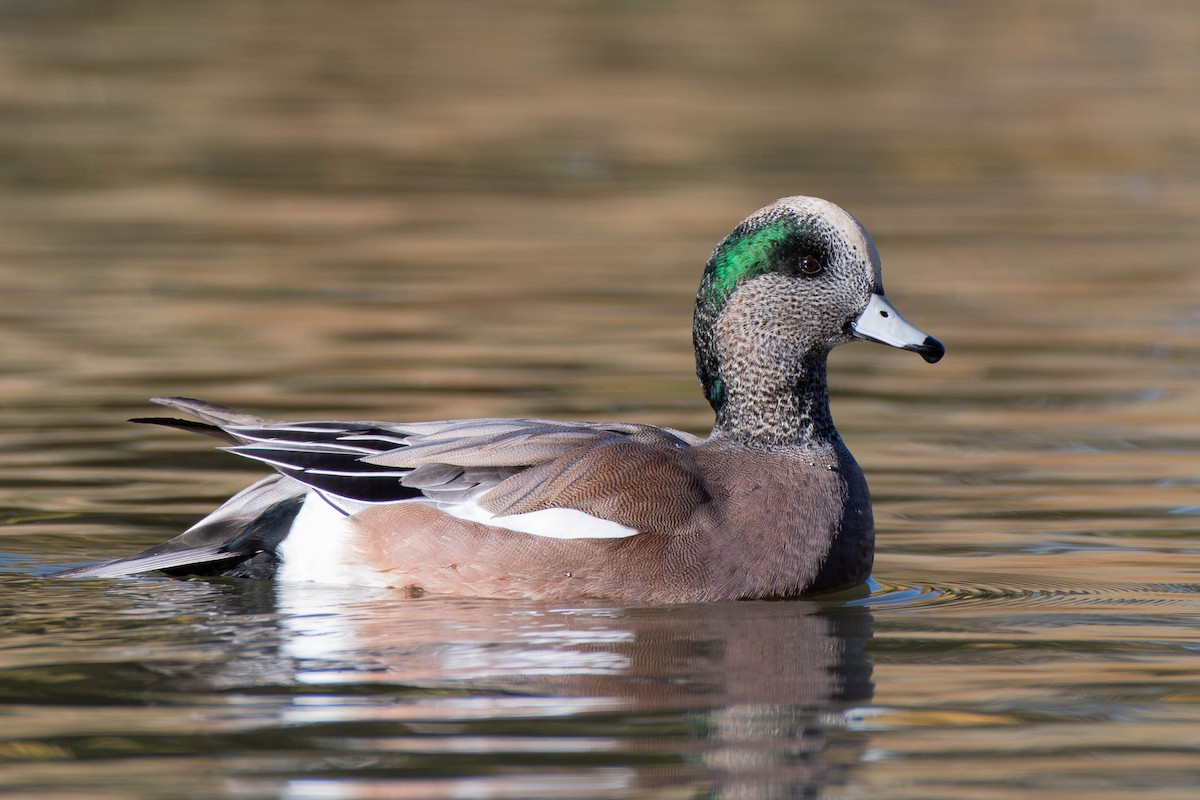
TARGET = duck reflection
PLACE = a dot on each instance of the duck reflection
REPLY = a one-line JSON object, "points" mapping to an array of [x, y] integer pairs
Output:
{"points": [[747, 699]]}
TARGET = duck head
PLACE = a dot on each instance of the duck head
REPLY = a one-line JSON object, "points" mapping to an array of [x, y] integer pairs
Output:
{"points": [[791, 282]]}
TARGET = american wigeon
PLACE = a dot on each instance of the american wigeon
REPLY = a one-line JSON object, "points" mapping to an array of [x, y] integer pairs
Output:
{"points": [[771, 504]]}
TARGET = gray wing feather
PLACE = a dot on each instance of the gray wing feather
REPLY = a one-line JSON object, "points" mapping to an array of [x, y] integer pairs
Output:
{"points": [[511, 448], [448, 461], [207, 540]]}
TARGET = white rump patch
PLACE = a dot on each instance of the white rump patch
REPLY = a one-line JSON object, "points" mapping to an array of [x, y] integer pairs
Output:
{"points": [[553, 523], [317, 548]]}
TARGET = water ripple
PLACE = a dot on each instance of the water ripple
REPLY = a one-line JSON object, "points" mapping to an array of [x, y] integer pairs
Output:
{"points": [[1033, 591]]}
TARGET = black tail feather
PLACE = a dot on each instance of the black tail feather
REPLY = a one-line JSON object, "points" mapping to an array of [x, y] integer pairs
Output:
{"points": [[191, 426]]}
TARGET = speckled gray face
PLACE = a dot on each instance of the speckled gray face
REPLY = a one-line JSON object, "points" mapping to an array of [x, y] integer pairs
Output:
{"points": [[804, 277]]}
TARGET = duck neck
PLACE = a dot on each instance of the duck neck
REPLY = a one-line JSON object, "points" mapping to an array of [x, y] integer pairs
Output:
{"points": [[779, 405]]}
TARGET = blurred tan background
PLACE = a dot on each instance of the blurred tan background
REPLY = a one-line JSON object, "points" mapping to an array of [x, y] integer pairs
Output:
{"points": [[431, 198]]}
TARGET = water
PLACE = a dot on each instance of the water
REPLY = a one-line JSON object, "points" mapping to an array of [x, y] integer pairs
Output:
{"points": [[424, 210]]}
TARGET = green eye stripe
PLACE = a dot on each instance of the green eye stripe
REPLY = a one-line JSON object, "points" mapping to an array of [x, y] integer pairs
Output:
{"points": [[747, 253]]}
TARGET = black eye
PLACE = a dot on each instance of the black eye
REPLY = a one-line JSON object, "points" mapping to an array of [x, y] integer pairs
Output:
{"points": [[811, 266]]}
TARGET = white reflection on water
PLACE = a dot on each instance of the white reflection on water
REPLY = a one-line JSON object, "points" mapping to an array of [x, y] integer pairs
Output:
{"points": [[586, 783], [751, 692], [325, 624]]}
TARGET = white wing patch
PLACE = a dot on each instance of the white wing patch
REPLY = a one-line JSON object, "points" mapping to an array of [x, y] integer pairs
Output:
{"points": [[318, 547], [553, 523]]}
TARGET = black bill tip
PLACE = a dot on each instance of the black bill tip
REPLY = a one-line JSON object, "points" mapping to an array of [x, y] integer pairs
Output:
{"points": [[931, 350]]}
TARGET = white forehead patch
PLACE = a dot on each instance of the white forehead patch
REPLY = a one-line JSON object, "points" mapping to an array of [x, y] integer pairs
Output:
{"points": [[874, 255], [844, 223]]}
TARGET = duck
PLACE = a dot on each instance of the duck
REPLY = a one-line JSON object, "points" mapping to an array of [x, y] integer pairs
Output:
{"points": [[770, 505]]}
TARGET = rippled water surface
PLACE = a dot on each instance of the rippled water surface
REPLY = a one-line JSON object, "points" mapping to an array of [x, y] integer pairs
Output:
{"points": [[416, 210]]}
